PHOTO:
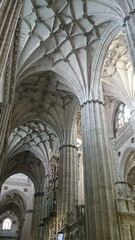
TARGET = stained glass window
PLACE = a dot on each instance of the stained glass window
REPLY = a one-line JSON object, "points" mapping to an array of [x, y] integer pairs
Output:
{"points": [[122, 116]]}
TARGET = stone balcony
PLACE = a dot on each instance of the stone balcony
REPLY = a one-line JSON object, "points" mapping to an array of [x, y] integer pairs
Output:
{"points": [[7, 234]]}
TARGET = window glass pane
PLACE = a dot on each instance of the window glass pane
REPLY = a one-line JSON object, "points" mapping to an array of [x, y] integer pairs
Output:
{"points": [[122, 116], [7, 224]]}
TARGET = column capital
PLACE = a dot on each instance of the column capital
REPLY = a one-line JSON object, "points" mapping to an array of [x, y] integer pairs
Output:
{"points": [[92, 101], [29, 211], [126, 18], [68, 145], [132, 111], [39, 194]]}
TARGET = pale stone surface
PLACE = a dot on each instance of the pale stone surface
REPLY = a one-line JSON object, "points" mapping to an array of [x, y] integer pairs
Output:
{"points": [[57, 57]]}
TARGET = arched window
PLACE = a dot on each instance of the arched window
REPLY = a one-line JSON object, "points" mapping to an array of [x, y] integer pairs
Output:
{"points": [[122, 116], [7, 224]]}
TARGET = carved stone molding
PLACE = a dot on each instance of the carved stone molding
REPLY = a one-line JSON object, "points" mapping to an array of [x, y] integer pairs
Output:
{"points": [[29, 211], [68, 145], [123, 190], [132, 12], [92, 101], [39, 194]]}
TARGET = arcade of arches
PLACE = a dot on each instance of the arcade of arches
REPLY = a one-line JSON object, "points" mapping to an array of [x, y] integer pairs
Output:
{"points": [[67, 119]]}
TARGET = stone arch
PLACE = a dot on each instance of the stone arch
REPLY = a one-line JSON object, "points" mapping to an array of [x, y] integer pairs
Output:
{"points": [[35, 118], [48, 103], [100, 54], [13, 200], [60, 74], [124, 165], [28, 164], [12, 191]]}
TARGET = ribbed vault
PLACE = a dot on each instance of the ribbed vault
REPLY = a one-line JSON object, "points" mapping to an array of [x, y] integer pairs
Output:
{"points": [[62, 34], [118, 75], [44, 98], [9, 214], [34, 136], [12, 203], [26, 162]]}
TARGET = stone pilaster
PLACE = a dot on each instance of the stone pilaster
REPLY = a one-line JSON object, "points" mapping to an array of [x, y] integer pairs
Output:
{"points": [[37, 215], [100, 211]]}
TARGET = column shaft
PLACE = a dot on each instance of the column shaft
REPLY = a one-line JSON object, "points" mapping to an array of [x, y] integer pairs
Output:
{"points": [[37, 215], [26, 233], [99, 197], [67, 180], [9, 17]]}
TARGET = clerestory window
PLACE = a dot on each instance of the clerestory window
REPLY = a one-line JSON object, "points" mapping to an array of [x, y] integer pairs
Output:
{"points": [[122, 116], [7, 224]]}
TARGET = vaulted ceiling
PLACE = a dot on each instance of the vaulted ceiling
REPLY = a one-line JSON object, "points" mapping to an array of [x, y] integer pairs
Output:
{"points": [[118, 75], [12, 204], [59, 42], [60, 35]]}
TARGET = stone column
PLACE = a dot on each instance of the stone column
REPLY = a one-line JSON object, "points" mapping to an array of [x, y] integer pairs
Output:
{"points": [[19, 233], [26, 233], [68, 176], [67, 193], [37, 214], [20, 229], [9, 77], [81, 180], [100, 211], [8, 18]]}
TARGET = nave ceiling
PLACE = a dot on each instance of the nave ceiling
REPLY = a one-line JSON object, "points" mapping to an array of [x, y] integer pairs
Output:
{"points": [[118, 75], [69, 50], [60, 35], [63, 36], [56, 45], [13, 204]]}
